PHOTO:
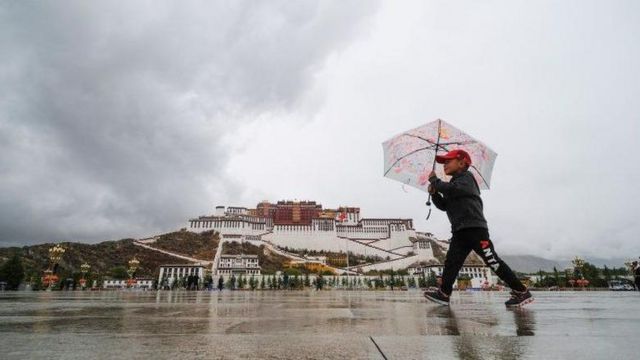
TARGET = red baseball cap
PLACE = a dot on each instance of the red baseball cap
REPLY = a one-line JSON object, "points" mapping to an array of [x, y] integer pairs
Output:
{"points": [[454, 154]]}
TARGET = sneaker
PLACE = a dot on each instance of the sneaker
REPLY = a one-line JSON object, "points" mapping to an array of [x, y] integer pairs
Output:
{"points": [[519, 298], [437, 297]]}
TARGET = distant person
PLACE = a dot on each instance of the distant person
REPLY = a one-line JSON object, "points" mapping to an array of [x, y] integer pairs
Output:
{"points": [[460, 198], [319, 282], [220, 283], [636, 274]]}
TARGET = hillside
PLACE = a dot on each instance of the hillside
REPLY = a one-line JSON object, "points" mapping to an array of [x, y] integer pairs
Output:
{"points": [[200, 246], [105, 256]]}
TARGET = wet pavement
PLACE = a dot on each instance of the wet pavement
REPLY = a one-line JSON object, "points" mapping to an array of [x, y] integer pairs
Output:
{"points": [[316, 325]]}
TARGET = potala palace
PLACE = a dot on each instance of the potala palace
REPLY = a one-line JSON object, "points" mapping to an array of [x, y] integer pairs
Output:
{"points": [[306, 225]]}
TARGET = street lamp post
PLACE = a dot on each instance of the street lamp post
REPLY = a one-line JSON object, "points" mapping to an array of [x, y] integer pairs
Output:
{"points": [[84, 269], [133, 266], [578, 264], [55, 255]]}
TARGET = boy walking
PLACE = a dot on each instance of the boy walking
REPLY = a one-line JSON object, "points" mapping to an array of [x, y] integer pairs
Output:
{"points": [[460, 198]]}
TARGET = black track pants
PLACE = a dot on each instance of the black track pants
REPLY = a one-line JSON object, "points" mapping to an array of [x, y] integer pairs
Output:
{"points": [[476, 239]]}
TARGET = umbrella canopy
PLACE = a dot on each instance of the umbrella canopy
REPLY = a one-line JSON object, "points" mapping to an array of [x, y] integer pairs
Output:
{"points": [[410, 157]]}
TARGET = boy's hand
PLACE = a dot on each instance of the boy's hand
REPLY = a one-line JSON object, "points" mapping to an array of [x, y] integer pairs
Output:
{"points": [[431, 189], [432, 174]]}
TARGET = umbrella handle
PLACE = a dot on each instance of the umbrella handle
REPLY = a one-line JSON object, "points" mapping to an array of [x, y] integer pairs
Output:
{"points": [[433, 167]]}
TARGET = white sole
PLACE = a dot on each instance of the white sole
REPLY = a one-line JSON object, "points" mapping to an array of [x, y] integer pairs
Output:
{"points": [[440, 302], [528, 301]]}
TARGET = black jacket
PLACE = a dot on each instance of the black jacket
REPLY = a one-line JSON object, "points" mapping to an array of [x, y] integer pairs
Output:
{"points": [[460, 198]]}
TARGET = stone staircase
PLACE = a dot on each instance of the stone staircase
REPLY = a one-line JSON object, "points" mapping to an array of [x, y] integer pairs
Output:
{"points": [[166, 252]]}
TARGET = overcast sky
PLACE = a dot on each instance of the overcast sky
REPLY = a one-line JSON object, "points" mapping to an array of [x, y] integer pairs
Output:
{"points": [[125, 119]]}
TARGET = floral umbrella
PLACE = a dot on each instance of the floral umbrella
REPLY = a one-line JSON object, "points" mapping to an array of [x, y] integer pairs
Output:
{"points": [[410, 157]]}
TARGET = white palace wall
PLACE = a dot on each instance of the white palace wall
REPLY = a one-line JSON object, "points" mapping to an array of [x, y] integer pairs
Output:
{"points": [[235, 227], [303, 237], [386, 238]]}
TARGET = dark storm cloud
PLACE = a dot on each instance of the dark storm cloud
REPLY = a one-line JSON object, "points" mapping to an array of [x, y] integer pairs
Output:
{"points": [[112, 114]]}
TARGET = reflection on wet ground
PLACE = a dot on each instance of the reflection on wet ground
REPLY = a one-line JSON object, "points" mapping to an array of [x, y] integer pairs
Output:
{"points": [[329, 324]]}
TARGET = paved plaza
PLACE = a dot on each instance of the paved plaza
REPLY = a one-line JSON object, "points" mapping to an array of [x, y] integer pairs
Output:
{"points": [[316, 325]]}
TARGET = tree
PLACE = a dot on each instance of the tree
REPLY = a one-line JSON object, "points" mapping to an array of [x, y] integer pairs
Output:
{"points": [[606, 273], [392, 281], [422, 280], [208, 280], [36, 283], [119, 273], [379, 283], [12, 272], [545, 281], [164, 284], [592, 273], [541, 276], [231, 283]]}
